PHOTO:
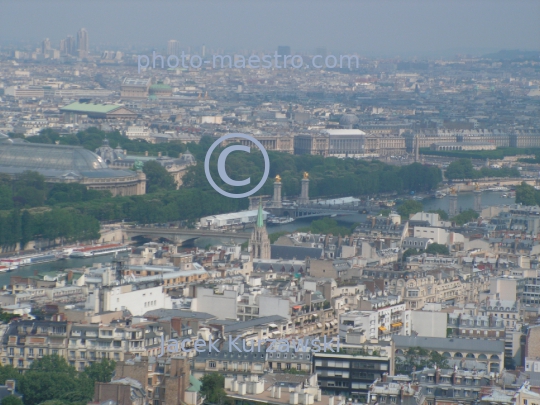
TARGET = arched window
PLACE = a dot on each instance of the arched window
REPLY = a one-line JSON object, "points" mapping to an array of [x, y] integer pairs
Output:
{"points": [[458, 355], [447, 355], [494, 357], [470, 356], [482, 357]]}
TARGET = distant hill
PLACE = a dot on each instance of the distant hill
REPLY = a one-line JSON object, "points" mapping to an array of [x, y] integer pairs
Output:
{"points": [[515, 54]]}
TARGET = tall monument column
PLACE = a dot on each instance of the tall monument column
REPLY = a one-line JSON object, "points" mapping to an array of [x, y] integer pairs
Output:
{"points": [[276, 201], [477, 198], [304, 194], [453, 210]]}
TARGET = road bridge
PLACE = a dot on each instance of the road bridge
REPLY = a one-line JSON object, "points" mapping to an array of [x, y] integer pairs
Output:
{"points": [[183, 235], [315, 210]]}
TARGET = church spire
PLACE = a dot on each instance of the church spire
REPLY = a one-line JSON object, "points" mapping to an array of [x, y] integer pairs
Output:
{"points": [[260, 219]]}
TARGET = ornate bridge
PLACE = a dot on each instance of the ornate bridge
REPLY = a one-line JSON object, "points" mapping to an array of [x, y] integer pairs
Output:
{"points": [[183, 235]]}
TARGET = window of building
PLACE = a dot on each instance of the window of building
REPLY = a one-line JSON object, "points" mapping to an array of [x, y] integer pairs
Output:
{"points": [[212, 364]]}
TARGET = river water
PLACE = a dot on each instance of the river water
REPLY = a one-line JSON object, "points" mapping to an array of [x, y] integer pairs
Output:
{"points": [[465, 201]]}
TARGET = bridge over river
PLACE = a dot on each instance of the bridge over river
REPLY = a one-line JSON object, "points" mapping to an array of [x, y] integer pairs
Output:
{"points": [[183, 235]]}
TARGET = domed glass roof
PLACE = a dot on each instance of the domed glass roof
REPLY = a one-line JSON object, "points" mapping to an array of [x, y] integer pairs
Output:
{"points": [[32, 156]]}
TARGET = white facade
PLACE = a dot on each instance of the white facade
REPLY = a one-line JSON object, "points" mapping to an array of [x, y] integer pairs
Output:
{"points": [[137, 133], [532, 364], [380, 323], [438, 235], [220, 304], [138, 302], [503, 288], [429, 323], [274, 305], [432, 218]]}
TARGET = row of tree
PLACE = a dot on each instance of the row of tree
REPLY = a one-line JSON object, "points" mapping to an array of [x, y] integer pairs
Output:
{"points": [[432, 249], [52, 381], [29, 189], [464, 169], [50, 224]]}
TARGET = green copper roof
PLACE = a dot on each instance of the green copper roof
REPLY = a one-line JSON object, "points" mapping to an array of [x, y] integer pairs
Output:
{"points": [[260, 220], [195, 385], [160, 86], [90, 107]]}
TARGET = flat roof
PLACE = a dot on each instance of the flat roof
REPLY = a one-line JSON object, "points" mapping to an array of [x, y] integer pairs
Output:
{"points": [[333, 132], [91, 107], [135, 81], [450, 344]]}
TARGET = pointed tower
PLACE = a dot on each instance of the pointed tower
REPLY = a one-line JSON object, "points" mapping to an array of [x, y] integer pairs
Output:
{"points": [[259, 241]]}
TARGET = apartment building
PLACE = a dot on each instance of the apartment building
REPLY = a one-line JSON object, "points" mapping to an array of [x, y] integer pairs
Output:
{"points": [[350, 372], [488, 352], [158, 382]]}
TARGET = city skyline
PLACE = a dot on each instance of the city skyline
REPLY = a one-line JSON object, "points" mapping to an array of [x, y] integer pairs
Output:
{"points": [[368, 28]]}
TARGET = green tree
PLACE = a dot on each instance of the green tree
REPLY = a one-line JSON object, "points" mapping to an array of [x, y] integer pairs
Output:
{"points": [[461, 169], [101, 371], [443, 215], [8, 373], [418, 357], [213, 387], [410, 252], [52, 378], [157, 177], [436, 248], [527, 195], [29, 189], [27, 228], [12, 400], [466, 216], [6, 197], [409, 207]]}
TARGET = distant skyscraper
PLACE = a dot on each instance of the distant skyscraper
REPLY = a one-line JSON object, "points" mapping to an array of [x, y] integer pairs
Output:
{"points": [[82, 43], [321, 51], [283, 50], [173, 47], [70, 45], [63, 49], [203, 50], [45, 45]]}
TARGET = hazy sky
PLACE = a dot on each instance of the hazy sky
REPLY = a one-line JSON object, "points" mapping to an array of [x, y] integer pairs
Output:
{"points": [[372, 28]]}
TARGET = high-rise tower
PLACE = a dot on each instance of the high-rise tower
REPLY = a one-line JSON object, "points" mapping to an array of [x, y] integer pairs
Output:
{"points": [[82, 43], [259, 241], [173, 47]]}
